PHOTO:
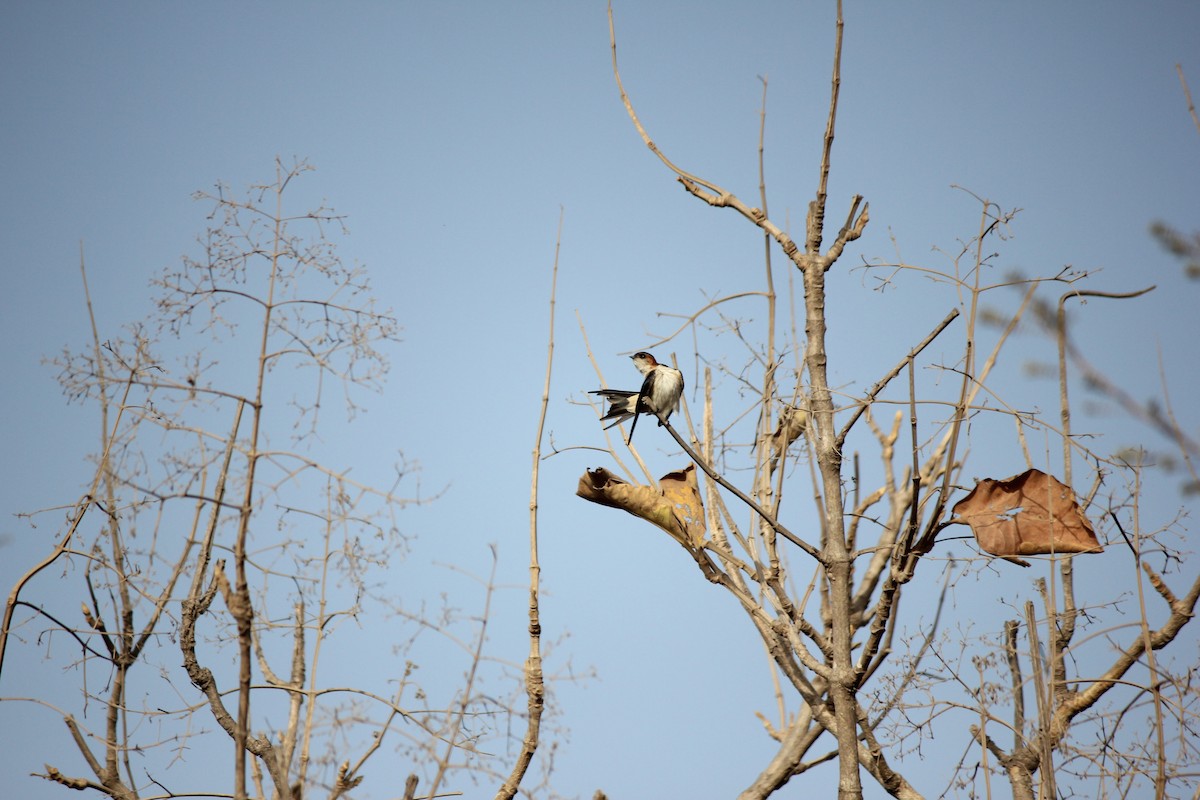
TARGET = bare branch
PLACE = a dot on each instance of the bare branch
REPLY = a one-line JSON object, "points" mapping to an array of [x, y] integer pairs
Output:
{"points": [[535, 687], [1187, 93]]}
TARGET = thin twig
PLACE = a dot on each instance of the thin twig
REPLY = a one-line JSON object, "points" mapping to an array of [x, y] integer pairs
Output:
{"points": [[1188, 94], [708, 192], [534, 680], [762, 512], [883, 382]]}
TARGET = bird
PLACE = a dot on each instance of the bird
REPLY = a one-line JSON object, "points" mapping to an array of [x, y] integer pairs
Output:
{"points": [[661, 389]]}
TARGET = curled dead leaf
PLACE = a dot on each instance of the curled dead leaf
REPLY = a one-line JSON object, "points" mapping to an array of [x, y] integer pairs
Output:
{"points": [[676, 506], [1027, 514]]}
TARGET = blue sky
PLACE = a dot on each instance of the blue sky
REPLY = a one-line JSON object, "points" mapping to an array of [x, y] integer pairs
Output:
{"points": [[452, 135]]}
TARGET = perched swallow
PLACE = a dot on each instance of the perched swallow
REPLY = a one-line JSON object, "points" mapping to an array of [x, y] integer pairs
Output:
{"points": [[659, 395]]}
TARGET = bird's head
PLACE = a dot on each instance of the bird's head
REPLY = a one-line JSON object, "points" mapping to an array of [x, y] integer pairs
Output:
{"points": [[644, 362]]}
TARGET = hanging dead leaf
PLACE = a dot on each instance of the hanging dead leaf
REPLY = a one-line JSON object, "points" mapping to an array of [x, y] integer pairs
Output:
{"points": [[1026, 515], [676, 506]]}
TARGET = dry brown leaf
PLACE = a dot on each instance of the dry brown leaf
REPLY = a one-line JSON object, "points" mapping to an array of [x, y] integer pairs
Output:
{"points": [[676, 508], [1027, 514]]}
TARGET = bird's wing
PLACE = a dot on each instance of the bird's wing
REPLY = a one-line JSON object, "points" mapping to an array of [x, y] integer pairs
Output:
{"points": [[613, 394], [618, 405], [646, 391]]}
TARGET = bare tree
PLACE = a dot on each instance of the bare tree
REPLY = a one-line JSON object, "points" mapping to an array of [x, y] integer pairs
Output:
{"points": [[214, 537], [867, 524]]}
